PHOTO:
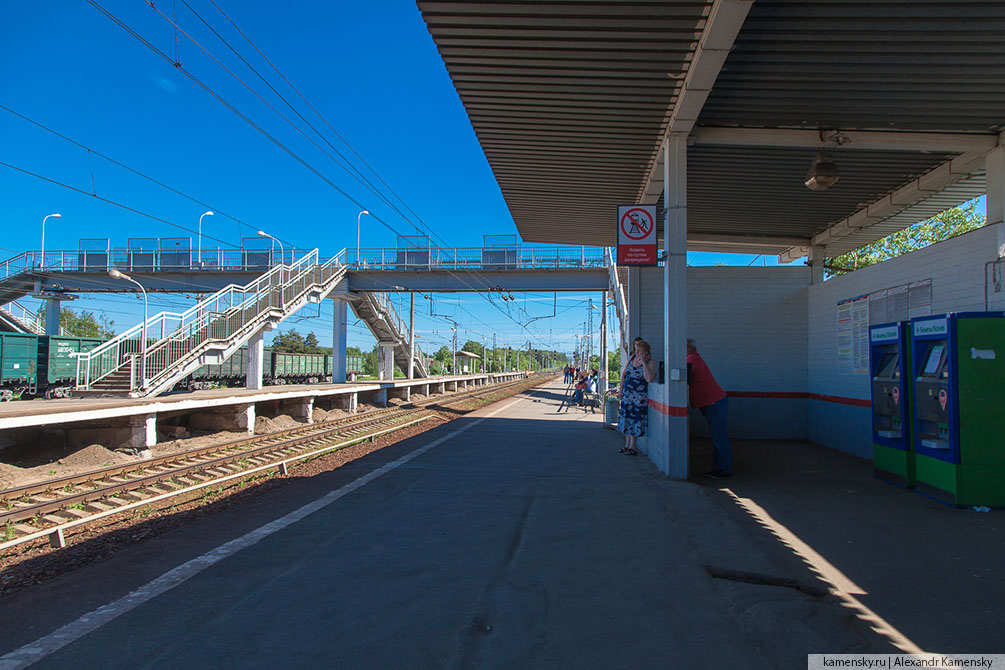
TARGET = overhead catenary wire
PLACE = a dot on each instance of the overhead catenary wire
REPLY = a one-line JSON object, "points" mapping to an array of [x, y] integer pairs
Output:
{"points": [[111, 160], [205, 87]]}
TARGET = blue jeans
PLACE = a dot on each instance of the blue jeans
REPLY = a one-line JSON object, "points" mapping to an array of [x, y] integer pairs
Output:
{"points": [[577, 396], [718, 426]]}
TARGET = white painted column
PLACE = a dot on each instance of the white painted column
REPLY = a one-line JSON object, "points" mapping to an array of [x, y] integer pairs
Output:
{"points": [[53, 306], [994, 164], [602, 380], [385, 367], [674, 390], [340, 326], [411, 336], [256, 361], [816, 261]]}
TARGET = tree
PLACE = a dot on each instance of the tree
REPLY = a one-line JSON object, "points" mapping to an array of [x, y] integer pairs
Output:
{"points": [[949, 223], [311, 342], [290, 342], [472, 347], [85, 324]]}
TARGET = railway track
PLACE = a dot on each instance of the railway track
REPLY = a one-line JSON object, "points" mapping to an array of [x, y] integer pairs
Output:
{"points": [[51, 508]]}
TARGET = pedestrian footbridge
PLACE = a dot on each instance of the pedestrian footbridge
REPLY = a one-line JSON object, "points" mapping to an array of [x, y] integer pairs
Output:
{"points": [[247, 292]]}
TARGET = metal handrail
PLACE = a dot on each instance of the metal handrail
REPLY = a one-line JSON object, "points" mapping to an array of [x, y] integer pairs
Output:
{"points": [[148, 260], [382, 304], [29, 320], [620, 305], [478, 258], [226, 315]]}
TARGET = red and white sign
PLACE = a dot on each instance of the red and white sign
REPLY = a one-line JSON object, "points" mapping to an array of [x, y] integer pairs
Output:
{"points": [[637, 235], [896, 395], [943, 398]]}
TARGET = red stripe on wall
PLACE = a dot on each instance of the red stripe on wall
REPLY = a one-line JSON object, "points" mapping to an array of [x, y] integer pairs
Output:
{"points": [[841, 400], [667, 409]]}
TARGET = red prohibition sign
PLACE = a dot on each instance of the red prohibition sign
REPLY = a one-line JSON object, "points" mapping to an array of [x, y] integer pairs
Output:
{"points": [[636, 224]]}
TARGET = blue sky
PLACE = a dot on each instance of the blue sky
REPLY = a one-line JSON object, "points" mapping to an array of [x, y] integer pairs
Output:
{"points": [[370, 68]]}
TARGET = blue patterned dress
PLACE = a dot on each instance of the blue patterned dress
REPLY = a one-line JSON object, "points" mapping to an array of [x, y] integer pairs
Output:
{"points": [[633, 413]]}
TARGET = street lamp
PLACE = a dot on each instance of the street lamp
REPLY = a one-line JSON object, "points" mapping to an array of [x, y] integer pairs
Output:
{"points": [[115, 274], [357, 232], [49, 216], [282, 250], [204, 214]]}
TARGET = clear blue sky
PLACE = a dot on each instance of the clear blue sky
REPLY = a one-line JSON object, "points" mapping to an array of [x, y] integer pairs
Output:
{"points": [[370, 68]]}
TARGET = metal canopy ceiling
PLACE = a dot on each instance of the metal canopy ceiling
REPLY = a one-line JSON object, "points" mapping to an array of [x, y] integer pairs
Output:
{"points": [[571, 102]]}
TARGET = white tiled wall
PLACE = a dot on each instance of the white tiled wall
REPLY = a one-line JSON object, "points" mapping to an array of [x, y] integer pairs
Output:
{"points": [[957, 269], [750, 326]]}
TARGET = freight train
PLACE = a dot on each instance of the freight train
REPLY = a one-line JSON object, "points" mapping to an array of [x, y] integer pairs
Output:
{"points": [[33, 366]]}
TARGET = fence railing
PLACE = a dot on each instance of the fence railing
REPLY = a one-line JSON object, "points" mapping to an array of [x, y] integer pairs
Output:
{"points": [[256, 260], [27, 319], [133, 260], [382, 303], [229, 314], [620, 305], [477, 258]]}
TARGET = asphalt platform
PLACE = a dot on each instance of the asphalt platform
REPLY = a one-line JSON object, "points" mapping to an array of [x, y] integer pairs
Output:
{"points": [[518, 537]]}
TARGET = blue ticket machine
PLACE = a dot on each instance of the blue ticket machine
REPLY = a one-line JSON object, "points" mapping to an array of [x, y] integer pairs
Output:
{"points": [[889, 367]]}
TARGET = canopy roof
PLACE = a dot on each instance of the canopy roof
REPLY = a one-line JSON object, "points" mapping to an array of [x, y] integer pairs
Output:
{"points": [[571, 102]]}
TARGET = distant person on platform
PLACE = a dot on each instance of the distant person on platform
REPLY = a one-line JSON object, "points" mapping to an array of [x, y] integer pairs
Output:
{"points": [[705, 395]]}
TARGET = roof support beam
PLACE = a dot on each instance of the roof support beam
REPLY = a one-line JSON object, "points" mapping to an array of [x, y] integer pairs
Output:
{"points": [[724, 22], [915, 191], [852, 139]]}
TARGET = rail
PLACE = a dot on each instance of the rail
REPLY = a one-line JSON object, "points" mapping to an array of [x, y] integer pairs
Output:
{"points": [[28, 320], [477, 258], [229, 314], [382, 302], [261, 260], [133, 260], [620, 306]]}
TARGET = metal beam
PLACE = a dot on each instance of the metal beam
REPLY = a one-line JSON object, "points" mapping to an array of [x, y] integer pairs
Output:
{"points": [[723, 24], [856, 139]]}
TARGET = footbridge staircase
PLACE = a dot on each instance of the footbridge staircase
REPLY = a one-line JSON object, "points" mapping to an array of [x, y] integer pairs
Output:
{"points": [[208, 333], [617, 277], [16, 318], [377, 312]]}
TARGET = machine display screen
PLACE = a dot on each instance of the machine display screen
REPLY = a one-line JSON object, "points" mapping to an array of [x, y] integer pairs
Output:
{"points": [[934, 358], [887, 367]]}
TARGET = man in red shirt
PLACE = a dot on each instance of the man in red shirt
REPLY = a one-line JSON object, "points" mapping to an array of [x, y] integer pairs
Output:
{"points": [[705, 395]]}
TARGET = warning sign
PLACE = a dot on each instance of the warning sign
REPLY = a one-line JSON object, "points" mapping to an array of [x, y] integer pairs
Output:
{"points": [[637, 235]]}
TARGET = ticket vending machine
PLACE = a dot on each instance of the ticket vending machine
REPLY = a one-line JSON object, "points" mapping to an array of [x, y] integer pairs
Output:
{"points": [[889, 366], [958, 363]]}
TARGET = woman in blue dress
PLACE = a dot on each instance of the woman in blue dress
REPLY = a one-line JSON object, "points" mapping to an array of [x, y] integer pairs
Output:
{"points": [[633, 413]]}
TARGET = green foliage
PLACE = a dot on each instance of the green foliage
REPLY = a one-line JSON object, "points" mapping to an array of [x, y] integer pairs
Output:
{"points": [[473, 347], [949, 223], [292, 342], [443, 354], [85, 324]]}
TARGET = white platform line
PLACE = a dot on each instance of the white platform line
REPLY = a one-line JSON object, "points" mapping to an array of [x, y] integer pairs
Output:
{"points": [[92, 621]]}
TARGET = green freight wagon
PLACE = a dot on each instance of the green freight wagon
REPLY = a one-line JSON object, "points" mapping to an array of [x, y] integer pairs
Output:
{"points": [[57, 362], [18, 370]]}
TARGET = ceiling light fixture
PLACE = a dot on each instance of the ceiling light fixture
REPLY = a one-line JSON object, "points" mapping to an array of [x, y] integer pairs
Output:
{"points": [[823, 172]]}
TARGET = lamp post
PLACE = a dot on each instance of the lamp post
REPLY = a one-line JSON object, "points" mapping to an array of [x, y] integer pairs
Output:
{"points": [[358, 216], [204, 214], [47, 217], [115, 274], [282, 249]]}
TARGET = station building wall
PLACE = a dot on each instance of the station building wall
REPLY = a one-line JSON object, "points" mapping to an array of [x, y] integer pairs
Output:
{"points": [[839, 414], [750, 325]]}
